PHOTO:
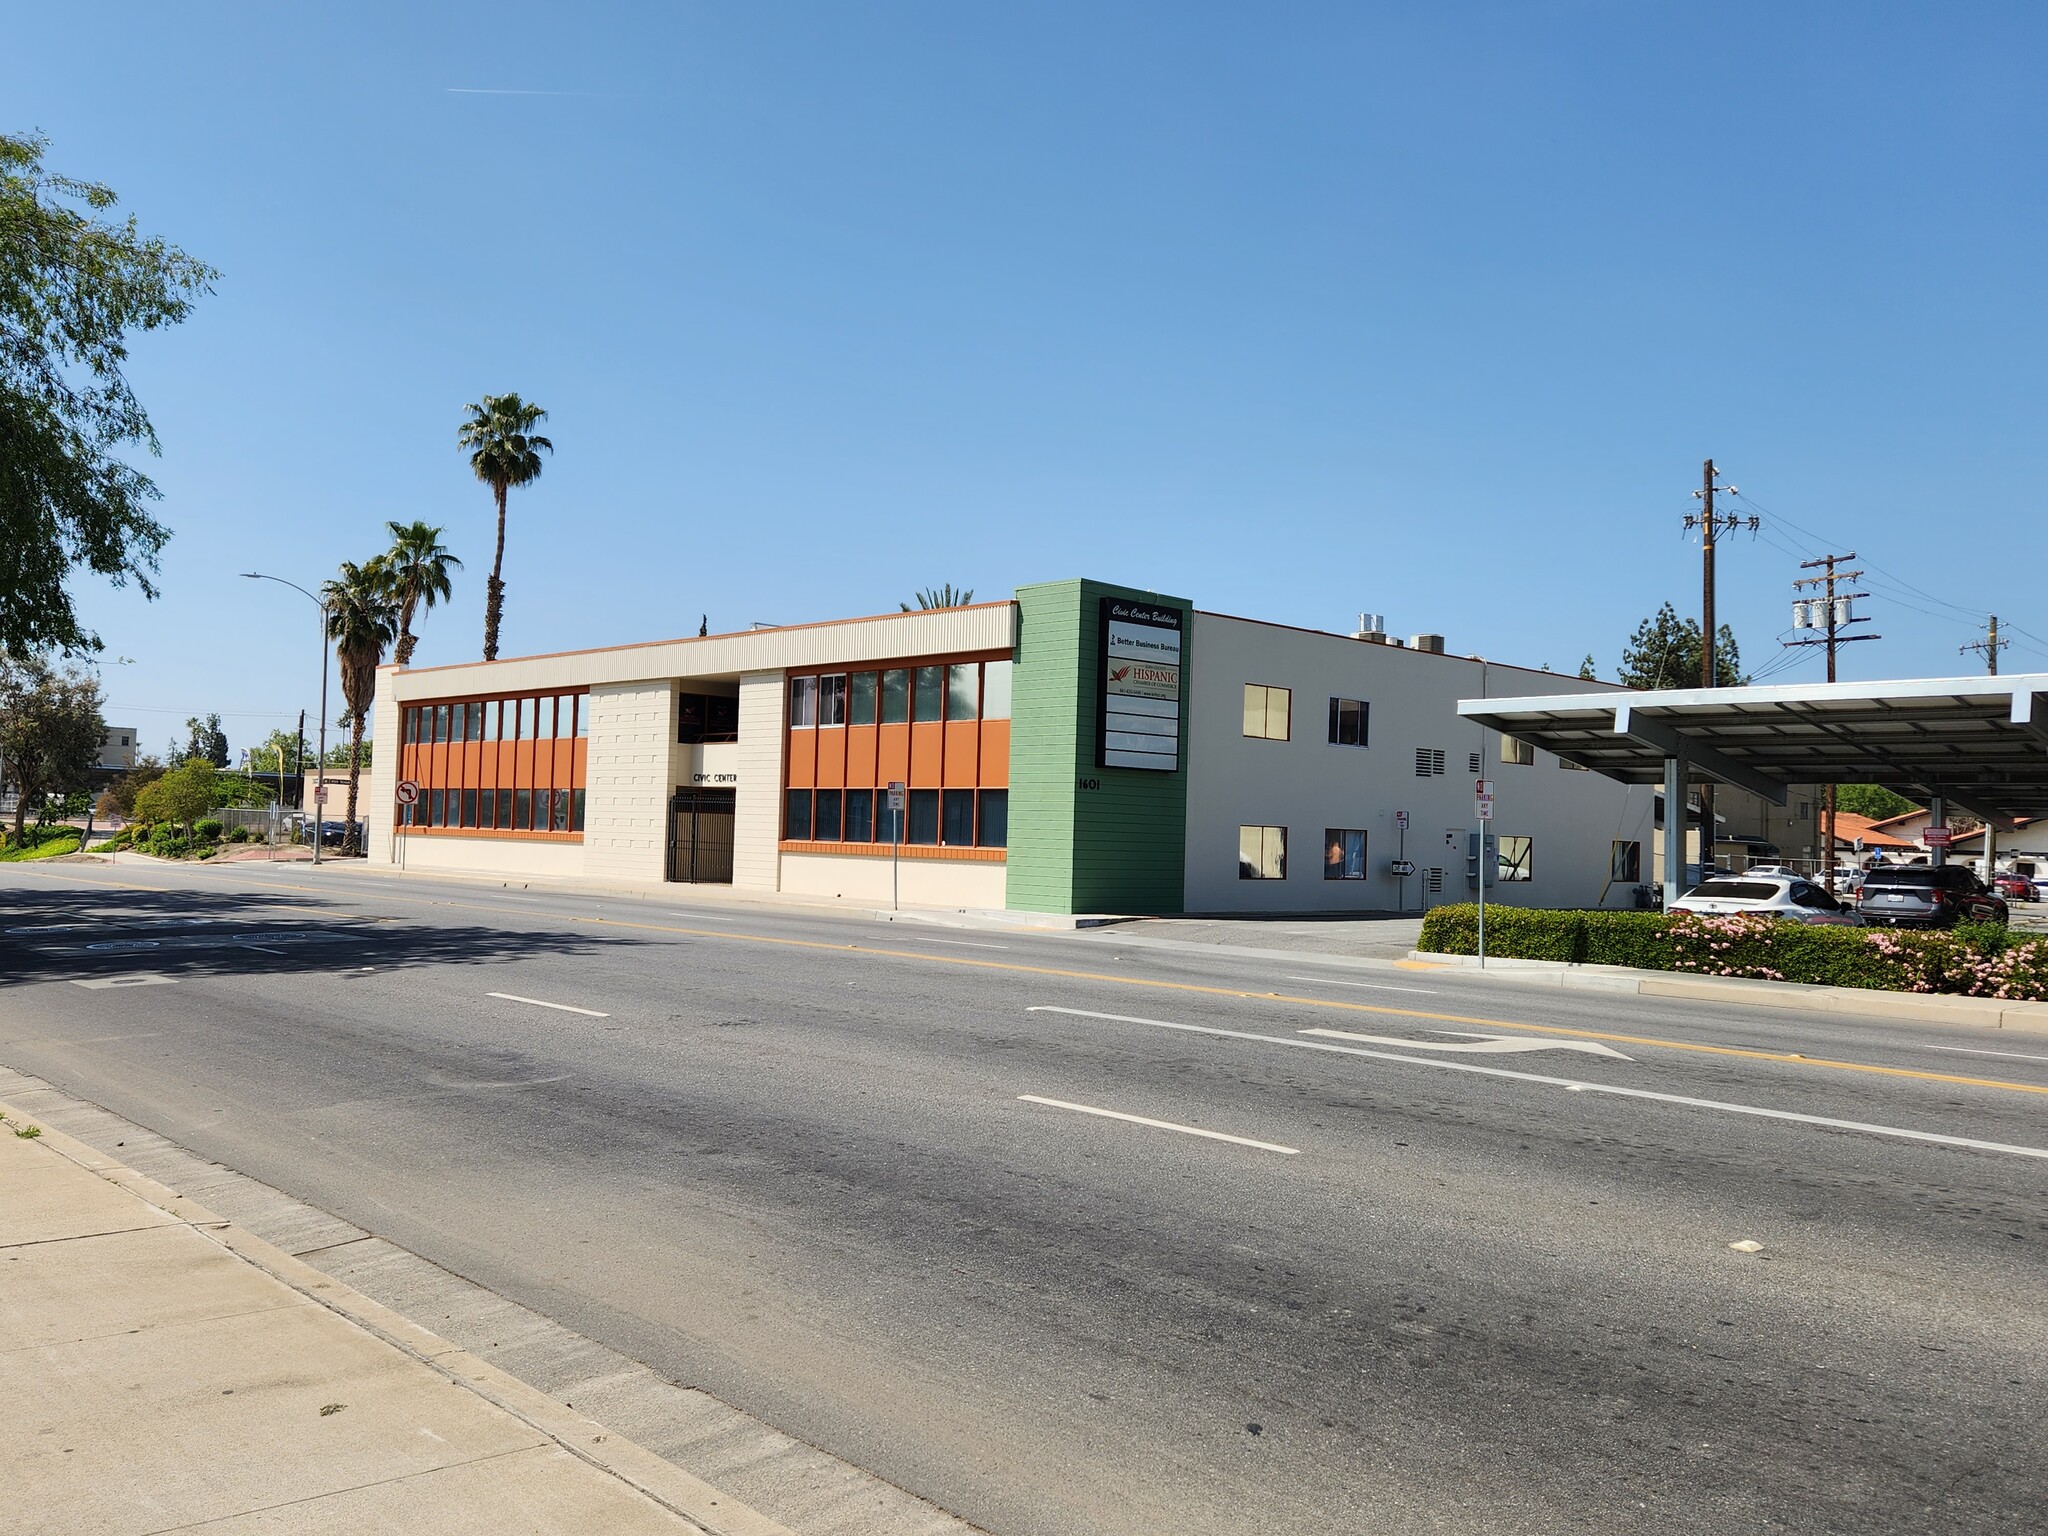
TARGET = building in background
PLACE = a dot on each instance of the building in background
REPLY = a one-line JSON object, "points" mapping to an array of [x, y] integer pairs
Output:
{"points": [[1083, 748]]}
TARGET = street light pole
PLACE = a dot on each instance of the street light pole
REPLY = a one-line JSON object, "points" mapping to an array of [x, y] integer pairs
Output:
{"points": [[320, 773]]}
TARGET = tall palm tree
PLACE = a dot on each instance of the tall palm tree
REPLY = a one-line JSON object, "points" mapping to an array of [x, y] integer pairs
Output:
{"points": [[504, 451], [417, 565], [941, 597], [362, 620]]}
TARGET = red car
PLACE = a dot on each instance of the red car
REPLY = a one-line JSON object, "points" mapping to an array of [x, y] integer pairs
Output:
{"points": [[2014, 887]]}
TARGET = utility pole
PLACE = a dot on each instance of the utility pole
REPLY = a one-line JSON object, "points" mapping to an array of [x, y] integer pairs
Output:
{"points": [[302, 767], [1990, 648], [1831, 613], [1711, 524]]}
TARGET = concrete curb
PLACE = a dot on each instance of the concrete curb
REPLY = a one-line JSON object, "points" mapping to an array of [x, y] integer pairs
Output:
{"points": [[666, 1484], [1917, 1007]]}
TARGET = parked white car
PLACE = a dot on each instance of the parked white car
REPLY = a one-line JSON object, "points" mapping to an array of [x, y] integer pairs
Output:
{"points": [[1791, 898]]}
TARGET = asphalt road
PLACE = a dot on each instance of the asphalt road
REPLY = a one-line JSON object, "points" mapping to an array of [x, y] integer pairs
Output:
{"points": [[843, 1175]]}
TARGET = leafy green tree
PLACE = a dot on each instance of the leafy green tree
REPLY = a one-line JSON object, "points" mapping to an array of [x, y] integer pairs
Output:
{"points": [[50, 730], [182, 795], [1664, 652], [504, 451], [73, 284], [1587, 670], [119, 797], [1872, 800], [941, 597], [204, 740], [265, 754], [362, 621], [417, 566]]}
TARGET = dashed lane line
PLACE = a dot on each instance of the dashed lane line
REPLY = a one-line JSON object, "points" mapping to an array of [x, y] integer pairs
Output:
{"points": [[1787, 1058], [1160, 1125], [513, 997]]}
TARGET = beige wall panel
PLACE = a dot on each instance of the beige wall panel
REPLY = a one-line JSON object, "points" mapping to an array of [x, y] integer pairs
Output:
{"points": [[926, 882], [490, 856], [625, 825], [757, 823], [376, 798]]}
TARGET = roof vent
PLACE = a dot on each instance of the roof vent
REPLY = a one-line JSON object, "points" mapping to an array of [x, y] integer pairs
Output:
{"points": [[1433, 643], [1371, 627]]}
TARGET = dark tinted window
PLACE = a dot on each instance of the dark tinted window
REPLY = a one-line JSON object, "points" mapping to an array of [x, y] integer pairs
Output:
{"points": [[1920, 877], [1735, 890]]}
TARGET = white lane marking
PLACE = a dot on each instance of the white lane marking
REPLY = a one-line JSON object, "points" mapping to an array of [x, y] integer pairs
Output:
{"points": [[512, 997], [102, 983], [1159, 1125], [965, 943], [1967, 1051], [1373, 986], [1487, 1045], [1567, 1083]]}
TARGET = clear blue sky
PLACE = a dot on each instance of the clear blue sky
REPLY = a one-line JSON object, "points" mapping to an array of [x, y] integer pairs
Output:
{"points": [[1297, 310]]}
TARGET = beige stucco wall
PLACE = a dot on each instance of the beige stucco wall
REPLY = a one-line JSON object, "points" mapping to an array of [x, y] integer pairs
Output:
{"points": [[954, 883], [627, 785], [378, 796], [488, 856], [757, 822]]}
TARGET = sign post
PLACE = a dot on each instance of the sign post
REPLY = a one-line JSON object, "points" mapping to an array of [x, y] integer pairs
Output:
{"points": [[408, 796], [1485, 808], [897, 797], [1402, 868]]}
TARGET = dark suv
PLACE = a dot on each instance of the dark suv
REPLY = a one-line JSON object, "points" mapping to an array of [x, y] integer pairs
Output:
{"points": [[1928, 896]]}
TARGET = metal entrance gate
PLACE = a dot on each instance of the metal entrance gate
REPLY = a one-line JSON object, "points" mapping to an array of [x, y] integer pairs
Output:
{"points": [[700, 836]]}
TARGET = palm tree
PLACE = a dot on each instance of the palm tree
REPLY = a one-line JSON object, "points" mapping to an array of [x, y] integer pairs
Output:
{"points": [[362, 619], [941, 597], [504, 451], [417, 565]]}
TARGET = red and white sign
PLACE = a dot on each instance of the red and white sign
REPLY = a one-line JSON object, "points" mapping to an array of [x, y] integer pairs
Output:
{"points": [[1486, 807], [897, 794], [319, 794], [408, 792], [1937, 837]]}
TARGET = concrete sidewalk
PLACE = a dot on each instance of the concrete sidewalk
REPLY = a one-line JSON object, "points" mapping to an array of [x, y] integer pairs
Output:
{"points": [[163, 1370]]}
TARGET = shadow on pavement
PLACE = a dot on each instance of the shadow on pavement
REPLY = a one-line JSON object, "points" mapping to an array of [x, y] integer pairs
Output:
{"points": [[75, 934]]}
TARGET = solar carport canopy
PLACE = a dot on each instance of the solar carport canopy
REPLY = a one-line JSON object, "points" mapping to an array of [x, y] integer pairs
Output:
{"points": [[1979, 743]]}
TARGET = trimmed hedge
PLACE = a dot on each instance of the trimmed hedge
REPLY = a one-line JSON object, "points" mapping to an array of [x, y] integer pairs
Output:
{"points": [[1972, 959]]}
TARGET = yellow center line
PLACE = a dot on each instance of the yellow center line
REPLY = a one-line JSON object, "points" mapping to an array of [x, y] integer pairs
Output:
{"points": [[1789, 1058]]}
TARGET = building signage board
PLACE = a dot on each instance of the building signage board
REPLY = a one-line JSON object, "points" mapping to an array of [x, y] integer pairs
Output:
{"points": [[1937, 837], [1139, 715]]}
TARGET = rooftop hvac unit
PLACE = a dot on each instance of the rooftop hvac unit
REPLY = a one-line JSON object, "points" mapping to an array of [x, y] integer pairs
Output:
{"points": [[1433, 643], [1369, 626]]}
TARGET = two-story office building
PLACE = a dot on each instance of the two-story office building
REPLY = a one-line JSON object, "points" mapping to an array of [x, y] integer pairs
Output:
{"points": [[1083, 748]]}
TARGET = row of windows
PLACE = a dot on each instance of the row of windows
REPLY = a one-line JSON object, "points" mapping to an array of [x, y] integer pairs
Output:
{"points": [[512, 810], [963, 690], [527, 719], [952, 818], [1262, 855]]}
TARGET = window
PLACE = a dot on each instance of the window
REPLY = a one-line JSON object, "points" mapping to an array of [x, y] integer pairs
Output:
{"points": [[1805, 809], [1514, 750], [1266, 711], [440, 722], [995, 691], [565, 716], [559, 822], [487, 808], [1343, 854], [1429, 762], [832, 699], [412, 726], [1471, 764], [1624, 862], [931, 693], [1565, 762], [825, 809], [956, 820], [469, 808], [895, 696], [1516, 856], [575, 810], [582, 707], [1262, 853], [1348, 721], [861, 704], [860, 808], [924, 814], [803, 701], [522, 811], [796, 816], [706, 717], [995, 817], [963, 692]]}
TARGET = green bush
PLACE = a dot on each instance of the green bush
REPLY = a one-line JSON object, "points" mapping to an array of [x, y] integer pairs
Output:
{"points": [[207, 829], [241, 835], [1974, 959]]}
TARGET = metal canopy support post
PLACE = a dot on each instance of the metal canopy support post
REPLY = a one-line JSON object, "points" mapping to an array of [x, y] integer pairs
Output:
{"points": [[1937, 809], [1674, 831]]}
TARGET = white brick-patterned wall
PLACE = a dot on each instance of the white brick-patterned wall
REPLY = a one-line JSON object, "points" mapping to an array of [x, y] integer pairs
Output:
{"points": [[378, 793], [625, 816], [757, 823]]}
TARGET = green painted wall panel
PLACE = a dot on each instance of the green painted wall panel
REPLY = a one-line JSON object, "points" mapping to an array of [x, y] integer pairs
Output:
{"points": [[1085, 838]]}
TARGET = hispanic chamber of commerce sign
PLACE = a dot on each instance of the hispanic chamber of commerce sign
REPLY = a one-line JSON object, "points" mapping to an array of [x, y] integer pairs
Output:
{"points": [[1140, 714]]}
